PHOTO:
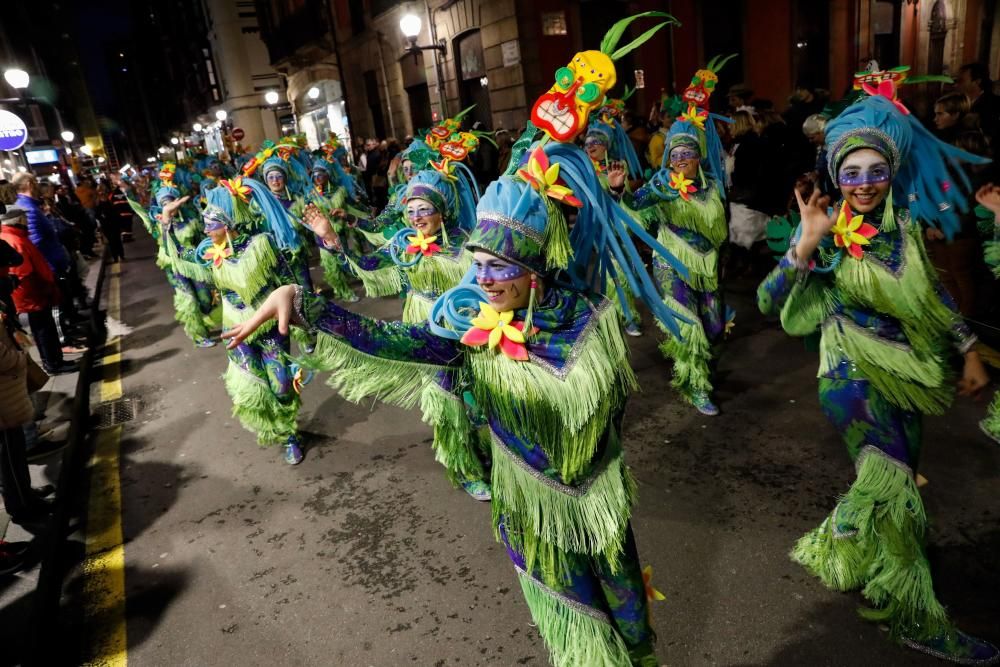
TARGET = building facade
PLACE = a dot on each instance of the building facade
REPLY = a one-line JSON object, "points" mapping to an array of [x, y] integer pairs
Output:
{"points": [[499, 55]]}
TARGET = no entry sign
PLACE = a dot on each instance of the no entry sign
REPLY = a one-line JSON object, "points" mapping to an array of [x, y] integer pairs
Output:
{"points": [[13, 131], [238, 133]]}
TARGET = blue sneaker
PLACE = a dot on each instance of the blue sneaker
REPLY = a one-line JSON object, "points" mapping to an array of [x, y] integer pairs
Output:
{"points": [[703, 404], [632, 329], [478, 489], [293, 452], [958, 647], [204, 342]]}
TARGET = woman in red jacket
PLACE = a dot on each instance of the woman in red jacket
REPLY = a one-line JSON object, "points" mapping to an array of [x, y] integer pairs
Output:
{"points": [[36, 293]]}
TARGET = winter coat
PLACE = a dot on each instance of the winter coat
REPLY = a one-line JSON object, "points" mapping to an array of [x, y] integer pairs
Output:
{"points": [[44, 233], [37, 289], [15, 406]]}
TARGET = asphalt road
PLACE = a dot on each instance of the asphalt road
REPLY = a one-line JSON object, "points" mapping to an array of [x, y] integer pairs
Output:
{"points": [[365, 555]]}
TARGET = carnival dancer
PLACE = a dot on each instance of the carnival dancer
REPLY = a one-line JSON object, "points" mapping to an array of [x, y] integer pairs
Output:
{"points": [[547, 363], [246, 263], [684, 204], [861, 277], [423, 261], [989, 197]]}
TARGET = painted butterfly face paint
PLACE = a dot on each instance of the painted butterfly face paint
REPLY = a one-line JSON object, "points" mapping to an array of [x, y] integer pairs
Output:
{"points": [[854, 175], [496, 270], [681, 154]]}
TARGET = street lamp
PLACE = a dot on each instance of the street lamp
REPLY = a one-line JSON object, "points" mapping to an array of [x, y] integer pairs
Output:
{"points": [[271, 97], [410, 25], [221, 115], [313, 93], [175, 140], [67, 136], [196, 127], [17, 78]]}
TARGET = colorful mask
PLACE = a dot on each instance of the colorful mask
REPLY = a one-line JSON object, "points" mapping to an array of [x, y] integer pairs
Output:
{"points": [[581, 86], [703, 83]]}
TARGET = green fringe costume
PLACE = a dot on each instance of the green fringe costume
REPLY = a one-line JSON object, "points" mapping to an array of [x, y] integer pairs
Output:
{"points": [[885, 322], [693, 230]]}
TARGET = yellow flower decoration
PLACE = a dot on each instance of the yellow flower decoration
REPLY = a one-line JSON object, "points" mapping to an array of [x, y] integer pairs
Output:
{"points": [[851, 232], [445, 168], [216, 254], [493, 328], [425, 245], [683, 185], [651, 592], [695, 116], [544, 178], [237, 188]]}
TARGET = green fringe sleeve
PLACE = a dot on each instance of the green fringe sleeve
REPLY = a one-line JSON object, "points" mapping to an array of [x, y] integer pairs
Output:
{"points": [[391, 361], [455, 438]]}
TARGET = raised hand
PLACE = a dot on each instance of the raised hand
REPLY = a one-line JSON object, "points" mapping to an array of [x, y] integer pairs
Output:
{"points": [[314, 219], [816, 223], [278, 306], [616, 175], [172, 207], [989, 197]]}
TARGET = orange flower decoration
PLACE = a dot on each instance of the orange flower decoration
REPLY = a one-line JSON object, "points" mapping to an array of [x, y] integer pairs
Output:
{"points": [[544, 178], [851, 232], [216, 254], [887, 89], [683, 185], [237, 188], [423, 244], [497, 329]]}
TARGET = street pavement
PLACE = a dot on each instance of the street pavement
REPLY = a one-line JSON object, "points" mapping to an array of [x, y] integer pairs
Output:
{"points": [[364, 555]]}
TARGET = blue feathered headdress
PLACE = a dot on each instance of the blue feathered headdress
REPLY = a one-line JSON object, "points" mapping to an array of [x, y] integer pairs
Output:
{"points": [[924, 168]]}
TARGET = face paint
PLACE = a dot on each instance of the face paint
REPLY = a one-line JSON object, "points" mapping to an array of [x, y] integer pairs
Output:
{"points": [[497, 271], [680, 154], [420, 213], [594, 141], [580, 88], [864, 169]]}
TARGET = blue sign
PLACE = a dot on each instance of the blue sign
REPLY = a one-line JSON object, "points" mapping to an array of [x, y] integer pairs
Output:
{"points": [[13, 131]]}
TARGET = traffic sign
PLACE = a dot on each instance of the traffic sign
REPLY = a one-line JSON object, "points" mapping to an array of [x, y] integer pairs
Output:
{"points": [[13, 131], [238, 133]]}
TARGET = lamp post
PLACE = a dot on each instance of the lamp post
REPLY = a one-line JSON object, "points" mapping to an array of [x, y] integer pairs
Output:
{"points": [[16, 78], [410, 25], [272, 98]]}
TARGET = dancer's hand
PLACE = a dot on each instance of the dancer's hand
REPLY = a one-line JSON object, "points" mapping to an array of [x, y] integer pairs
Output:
{"points": [[616, 175], [816, 223], [314, 219], [278, 306], [974, 376], [989, 197], [172, 207]]}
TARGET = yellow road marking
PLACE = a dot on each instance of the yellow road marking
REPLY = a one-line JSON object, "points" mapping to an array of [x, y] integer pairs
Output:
{"points": [[104, 567]]}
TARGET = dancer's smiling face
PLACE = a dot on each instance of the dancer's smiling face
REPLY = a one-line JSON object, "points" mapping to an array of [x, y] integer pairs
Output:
{"points": [[275, 181], [507, 285], [864, 179], [685, 160], [422, 216]]}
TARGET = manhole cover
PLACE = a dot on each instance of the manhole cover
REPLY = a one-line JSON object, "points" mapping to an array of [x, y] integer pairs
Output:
{"points": [[112, 413]]}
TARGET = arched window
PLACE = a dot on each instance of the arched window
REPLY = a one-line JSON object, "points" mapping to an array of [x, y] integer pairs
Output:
{"points": [[938, 28]]}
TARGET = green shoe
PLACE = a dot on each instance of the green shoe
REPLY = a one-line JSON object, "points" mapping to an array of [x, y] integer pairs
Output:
{"points": [[957, 647], [478, 489]]}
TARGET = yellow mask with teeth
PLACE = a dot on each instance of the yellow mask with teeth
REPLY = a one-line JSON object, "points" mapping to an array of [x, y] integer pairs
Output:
{"points": [[580, 88]]}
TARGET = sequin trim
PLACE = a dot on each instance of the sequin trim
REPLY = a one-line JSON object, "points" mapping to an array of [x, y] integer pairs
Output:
{"points": [[574, 354], [577, 491], [834, 152], [872, 450], [575, 605], [511, 223]]}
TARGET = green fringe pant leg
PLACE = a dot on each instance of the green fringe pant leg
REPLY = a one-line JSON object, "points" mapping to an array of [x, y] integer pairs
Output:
{"points": [[692, 353], [874, 538], [457, 442], [629, 306], [187, 309], [991, 425], [335, 274], [259, 383], [591, 614]]}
